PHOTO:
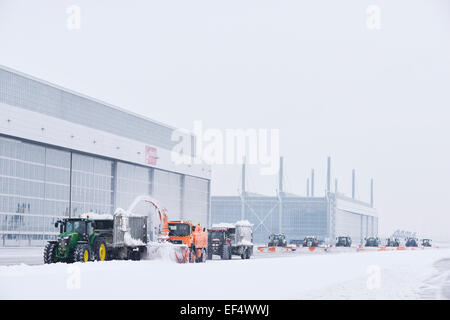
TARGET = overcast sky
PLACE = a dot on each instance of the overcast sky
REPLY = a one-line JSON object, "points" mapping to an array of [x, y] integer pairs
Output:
{"points": [[374, 100]]}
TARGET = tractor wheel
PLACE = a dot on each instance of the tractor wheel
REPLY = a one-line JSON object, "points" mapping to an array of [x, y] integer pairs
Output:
{"points": [[192, 256], [101, 254], [210, 254], [50, 253], [248, 253], [244, 253], [82, 253], [225, 253], [203, 257]]}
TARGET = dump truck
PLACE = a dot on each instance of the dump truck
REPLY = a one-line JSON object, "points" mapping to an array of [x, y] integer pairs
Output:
{"points": [[412, 242], [426, 242], [310, 241], [343, 241], [194, 237], [372, 242], [277, 240], [226, 240], [106, 237]]}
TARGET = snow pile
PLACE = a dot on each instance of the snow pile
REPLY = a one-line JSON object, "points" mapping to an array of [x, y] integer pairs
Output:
{"points": [[243, 223], [96, 216], [166, 251], [223, 225], [130, 241]]}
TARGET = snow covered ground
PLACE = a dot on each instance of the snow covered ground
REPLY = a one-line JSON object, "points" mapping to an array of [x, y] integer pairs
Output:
{"points": [[422, 274], [16, 255]]}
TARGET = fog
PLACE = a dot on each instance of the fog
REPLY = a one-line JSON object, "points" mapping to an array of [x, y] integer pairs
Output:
{"points": [[376, 100]]}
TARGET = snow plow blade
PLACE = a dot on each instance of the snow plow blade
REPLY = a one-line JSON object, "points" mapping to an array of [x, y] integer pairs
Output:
{"points": [[167, 251]]}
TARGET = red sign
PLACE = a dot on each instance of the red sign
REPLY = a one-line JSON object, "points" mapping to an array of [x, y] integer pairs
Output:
{"points": [[151, 155]]}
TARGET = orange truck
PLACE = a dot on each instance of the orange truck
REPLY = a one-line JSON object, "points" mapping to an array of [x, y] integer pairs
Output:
{"points": [[193, 236]]}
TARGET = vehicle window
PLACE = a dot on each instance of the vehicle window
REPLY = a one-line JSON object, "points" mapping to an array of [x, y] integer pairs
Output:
{"points": [[90, 228], [179, 230]]}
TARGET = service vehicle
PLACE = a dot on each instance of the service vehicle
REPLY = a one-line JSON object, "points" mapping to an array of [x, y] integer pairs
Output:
{"points": [[108, 237], [343, 241], [310, 241], [226, 240], [392, 242], [372, 242], [412, 242], [426, 242], [277, 240], [193, 236]]}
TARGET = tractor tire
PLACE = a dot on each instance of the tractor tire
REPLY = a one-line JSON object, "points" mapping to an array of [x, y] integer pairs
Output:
{"points": [[209, 254], [226, 253], [203, 257], [249, 253], [192, 257], [143, 253], [50, 253], [82, 253], [244, 253], [101, 253]]}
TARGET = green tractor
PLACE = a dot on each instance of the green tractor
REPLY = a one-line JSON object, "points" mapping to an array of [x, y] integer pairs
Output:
{"points": [[78, 241]]}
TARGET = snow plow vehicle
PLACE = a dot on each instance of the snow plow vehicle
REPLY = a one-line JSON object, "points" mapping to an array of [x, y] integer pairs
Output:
{"points": [[372, 242], [108, 237], [412, 242], [426, 242], [194, 237], [310, 241], [343, 241], [277, 240], [392, 242], [226, 240]]}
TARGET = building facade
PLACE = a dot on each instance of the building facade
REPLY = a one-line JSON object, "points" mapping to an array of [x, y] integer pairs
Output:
{"points": [[63, 154], [297, 217]]}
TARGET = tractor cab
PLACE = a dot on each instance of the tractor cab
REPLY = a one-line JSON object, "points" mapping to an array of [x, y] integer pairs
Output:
{"points": [[372, 242], [277, 240], [218, 238], [343, 242], [392, 242], [412, 242], [310, 241], [72, 231], [426, 242]]}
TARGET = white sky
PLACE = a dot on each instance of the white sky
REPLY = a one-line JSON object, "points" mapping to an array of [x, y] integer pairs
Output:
{"points": [[376, 101]]}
